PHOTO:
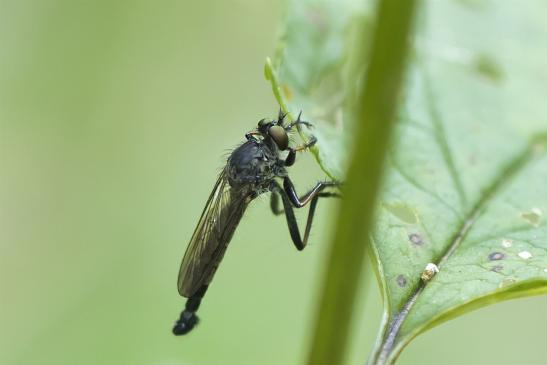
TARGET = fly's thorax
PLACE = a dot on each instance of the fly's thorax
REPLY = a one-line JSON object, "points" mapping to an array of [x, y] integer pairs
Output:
{"points": [[254, 163]]}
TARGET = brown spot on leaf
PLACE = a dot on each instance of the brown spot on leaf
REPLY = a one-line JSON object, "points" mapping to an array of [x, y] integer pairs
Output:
{"points": [[287, 91], [497, 268], [401, 280], [494, 256], [416, 239]]}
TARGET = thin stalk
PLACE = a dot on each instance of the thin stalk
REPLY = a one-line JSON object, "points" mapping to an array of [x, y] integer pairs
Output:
{"points": [[374, 111]]}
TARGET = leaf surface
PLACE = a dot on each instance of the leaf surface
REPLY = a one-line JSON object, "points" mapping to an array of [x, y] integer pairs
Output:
{"points": [[466, 183]]}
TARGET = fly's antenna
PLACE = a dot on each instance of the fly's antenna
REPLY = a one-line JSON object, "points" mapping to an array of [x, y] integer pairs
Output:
{"points": [[188, 318], [281, 117], [298, 119]]}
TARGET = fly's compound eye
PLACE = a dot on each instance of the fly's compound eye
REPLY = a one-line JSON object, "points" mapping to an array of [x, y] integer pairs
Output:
{"points": [[263, 125], [280, 137]]}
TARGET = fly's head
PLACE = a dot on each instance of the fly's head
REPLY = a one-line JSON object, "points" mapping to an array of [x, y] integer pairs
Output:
{"points": [[258, 160], [273, 131], [275, 134]]}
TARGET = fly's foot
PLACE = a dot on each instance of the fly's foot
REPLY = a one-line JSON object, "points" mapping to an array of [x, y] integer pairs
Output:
{"points": [[185, 323], [307, 145], [302, 122]]}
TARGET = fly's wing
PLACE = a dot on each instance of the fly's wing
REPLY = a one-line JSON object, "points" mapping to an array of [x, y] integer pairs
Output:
{"points": [[214, 231]]}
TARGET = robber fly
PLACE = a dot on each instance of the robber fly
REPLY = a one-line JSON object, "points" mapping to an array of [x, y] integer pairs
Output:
{"points": [[252, 169]]}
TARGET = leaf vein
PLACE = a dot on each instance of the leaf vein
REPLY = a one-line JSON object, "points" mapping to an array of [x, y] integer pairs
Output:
{"points": [[397, 167], [510, 171], [439, 134]]}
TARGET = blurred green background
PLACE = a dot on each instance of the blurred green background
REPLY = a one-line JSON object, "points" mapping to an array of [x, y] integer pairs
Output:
{"points": [[115, 118]]}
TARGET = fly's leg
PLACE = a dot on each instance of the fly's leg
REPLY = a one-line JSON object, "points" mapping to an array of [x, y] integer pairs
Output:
{"points": [[299, 202], [277, 210], [291, 200], [188, 318], [281, 119], [297, 122], [291, 156], [274, 203]]}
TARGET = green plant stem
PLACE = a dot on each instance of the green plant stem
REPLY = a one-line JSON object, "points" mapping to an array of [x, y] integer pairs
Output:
{"points": [[375, 110]]}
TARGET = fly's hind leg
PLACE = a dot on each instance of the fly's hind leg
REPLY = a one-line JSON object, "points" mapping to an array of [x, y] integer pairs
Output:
{"points": [[188, 318], [274, 203], [291, 200], [278, 210]]}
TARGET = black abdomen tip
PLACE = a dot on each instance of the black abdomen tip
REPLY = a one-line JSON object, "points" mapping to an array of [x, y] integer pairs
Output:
{"points": [[186, 322]]}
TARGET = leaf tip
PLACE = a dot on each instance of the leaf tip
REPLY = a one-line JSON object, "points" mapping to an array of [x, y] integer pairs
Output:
{"points": [[268, 69]]}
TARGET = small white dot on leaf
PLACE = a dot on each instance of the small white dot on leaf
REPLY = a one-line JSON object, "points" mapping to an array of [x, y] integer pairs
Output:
{"points": [[524, 255], [506, 243], [545, 270], [430, 270], [537, 211]]}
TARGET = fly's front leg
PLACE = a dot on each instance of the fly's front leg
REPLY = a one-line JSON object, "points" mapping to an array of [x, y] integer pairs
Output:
{"points": [[291, 157], [298, 122], [250, 135], [290, 199]]}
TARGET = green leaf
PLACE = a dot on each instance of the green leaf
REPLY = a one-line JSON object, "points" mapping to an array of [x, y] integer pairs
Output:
{"points": [[310, 72], [466, 181], [466, 184]]}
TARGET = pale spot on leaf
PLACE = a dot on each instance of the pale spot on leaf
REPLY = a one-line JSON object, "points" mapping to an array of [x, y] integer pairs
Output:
{"points": [[488, 68], [506, 243], [506, 282], [533, 216], [525, 255], [402, 212]]}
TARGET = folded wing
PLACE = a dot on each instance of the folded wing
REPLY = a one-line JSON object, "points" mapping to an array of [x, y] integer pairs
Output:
{"points": [[216, 226]]}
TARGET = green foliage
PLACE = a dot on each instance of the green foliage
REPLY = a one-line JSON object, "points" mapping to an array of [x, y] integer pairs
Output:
{"points": [[310, 71], [465, 184]]}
